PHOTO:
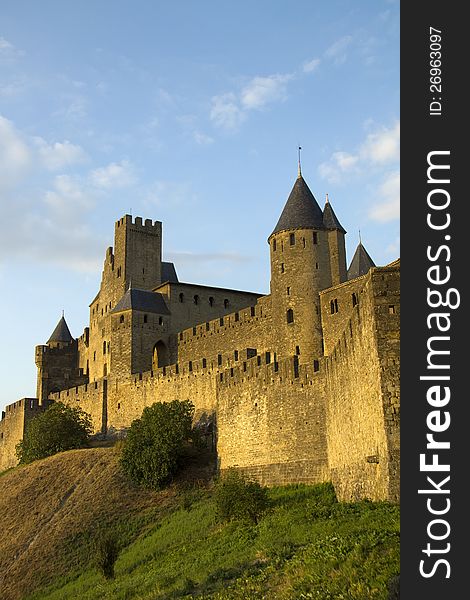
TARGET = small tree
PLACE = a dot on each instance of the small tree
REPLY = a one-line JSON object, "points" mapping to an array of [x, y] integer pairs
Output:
{"points": [[155, 442], [57, 429], [239, 499]]}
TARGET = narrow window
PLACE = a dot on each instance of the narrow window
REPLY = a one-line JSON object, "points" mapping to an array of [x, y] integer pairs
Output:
{"points": [[290, 315], [204, 363], [354, 298], [94, 355], [235, 355], [121, 319], [316, 366], [282, 267], [226, 303], [221, 321], [334, 306], [315, 237], [288, 291], [274, 244], [292, 239], [190, 365], [181, 297], [104, 347], [181, 336], [194, 331], [297, 350], [160, 320], [303, 242], [196, 299], [391, 309], [219, 359], [119, 405], [145, 318], [267, 357], [211, 301], [237, 317], [207, 326], [252, 311]]}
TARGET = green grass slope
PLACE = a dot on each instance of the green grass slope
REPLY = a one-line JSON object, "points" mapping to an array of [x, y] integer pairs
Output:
{"points": [[172, 546]]}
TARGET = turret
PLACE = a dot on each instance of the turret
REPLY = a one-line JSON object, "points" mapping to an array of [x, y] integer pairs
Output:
{"points": [[361, 262], [300, 268], [336, 244], [57, 363]]}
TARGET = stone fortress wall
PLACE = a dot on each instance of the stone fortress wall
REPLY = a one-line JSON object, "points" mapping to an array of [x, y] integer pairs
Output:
{"points": [[301, 385]]}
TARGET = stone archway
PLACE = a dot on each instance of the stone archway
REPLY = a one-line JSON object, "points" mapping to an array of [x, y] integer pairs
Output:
{"points": [[160, 356]]}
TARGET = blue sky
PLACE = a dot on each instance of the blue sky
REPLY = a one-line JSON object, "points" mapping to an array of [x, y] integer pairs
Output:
{"points": [[189, 113]]}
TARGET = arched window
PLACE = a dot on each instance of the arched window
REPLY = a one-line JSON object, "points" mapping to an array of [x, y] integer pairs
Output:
{"points": [[290, 315], [181, 297], [354, 298], [292, 239], [211, 301], [160, 320], [334, 306], [196, 299]]}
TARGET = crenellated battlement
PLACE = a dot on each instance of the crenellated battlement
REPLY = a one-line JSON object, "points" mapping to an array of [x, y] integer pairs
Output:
{"points": [[138, 224]]}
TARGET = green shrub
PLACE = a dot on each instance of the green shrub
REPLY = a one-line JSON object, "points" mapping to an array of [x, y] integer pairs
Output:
{"points": [[106, 553], [239, 499], [57, 429], [154, 443]]}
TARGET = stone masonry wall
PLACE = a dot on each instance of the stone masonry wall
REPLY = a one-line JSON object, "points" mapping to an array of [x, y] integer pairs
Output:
{"points": [[357, 413], [271, 422], [12, 427]]}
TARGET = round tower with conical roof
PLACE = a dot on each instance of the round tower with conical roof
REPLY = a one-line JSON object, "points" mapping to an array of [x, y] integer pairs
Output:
{"points": [[57, 363], [301, 266]]}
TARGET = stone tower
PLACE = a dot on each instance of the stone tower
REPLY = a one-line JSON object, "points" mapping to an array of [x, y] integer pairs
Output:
{"points": [[307, 256], [336, 244], [57, 363]]}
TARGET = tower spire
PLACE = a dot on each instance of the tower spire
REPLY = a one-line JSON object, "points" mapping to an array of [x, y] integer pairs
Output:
{"points": [[300, 168], [327, 201]]}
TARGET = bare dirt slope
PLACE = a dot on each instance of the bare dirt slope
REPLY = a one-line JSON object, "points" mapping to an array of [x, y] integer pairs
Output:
{"points": [[46, 506]]}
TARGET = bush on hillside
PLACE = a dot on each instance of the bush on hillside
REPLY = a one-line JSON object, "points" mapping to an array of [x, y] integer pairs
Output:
{"points": [[57, 429], [155, 442], [106, 553], [236, 498]]}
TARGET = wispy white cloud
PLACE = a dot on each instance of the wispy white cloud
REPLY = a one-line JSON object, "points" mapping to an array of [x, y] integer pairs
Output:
{"points": [[264, 90], [202, 139], [380, 148], [337, 52], [114, 175], [388, 196], [229, 110], [15, 154], [311, 65], [59, 154], [226, 112], [379, 154], [8, 52]]}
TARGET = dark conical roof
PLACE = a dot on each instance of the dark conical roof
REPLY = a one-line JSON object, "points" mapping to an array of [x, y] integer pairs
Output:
{"points": [[361, 263], [330, 220], [301, 210], [142, 300], [61, 333]]}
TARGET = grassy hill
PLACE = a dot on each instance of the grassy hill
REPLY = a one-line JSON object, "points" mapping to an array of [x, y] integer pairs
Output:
{"points": [[172, 546]]}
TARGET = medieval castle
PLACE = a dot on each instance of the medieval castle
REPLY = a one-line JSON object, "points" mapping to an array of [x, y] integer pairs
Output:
{"points": [[301, 385]]}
